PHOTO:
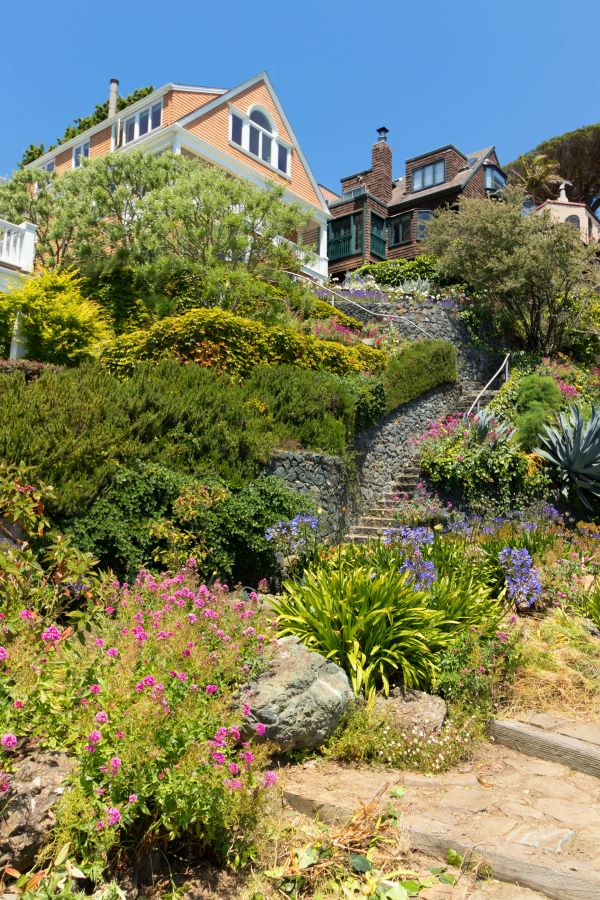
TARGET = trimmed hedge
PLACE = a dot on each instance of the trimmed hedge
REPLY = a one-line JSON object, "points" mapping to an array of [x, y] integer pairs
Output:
{"points": [[323, 310], [418, 368], [227, 343], [395, 271]]}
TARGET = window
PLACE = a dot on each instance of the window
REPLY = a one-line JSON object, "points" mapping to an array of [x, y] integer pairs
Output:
{"points": [[494, 180], [377, 236], [256, 134], [345, 236], [146, 120], [428, 176], [354, 192], [80, 152], [49, 166], [400, 230], [574, 221], [423, 216]]}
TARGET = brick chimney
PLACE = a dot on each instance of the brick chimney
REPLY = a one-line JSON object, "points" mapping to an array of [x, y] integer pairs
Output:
{"points": [[380, 177]]}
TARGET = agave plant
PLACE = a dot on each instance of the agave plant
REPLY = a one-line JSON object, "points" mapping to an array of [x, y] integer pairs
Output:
{"points": [[573, 446], [485, 424]]}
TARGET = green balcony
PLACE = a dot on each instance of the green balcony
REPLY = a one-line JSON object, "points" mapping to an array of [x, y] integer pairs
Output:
{"points": [[344, 245], [377, 245]]}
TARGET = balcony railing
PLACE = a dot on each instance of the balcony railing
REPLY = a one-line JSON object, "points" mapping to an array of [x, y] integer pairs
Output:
{"points": [[343, 245], [377, 245], [17, 246]]}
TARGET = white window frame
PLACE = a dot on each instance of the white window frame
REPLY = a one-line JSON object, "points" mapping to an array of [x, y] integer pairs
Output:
{"points": [[119, 137], [84, 153], [424, 171], [50, 166], [276, 139]]}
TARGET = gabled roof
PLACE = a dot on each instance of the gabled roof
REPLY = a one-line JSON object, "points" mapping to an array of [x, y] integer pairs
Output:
{"points": [[230, 95], [473, 163]]}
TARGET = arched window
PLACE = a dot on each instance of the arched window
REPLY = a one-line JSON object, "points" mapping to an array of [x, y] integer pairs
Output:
{"points": [[259, 117], [574, 221], [261, 131]]}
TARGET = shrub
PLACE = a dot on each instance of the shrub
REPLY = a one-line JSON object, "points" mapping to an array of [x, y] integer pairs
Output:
{"points": [[58, 323], [418, 368], [537, 398], [395, 272], [375, 625], [321, 309], [572, 447], [218, 339]]}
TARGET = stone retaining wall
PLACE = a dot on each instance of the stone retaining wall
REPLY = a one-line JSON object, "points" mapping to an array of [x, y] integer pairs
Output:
{"points": [[385, 447], [325, 479], [439, 318]]}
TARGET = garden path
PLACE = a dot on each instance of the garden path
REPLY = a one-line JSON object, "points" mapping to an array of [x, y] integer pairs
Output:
{"points": [[532, 812]]}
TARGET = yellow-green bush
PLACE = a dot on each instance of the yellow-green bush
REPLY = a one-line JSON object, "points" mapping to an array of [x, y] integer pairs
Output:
{"points": [[58, 323], [218, 339]]}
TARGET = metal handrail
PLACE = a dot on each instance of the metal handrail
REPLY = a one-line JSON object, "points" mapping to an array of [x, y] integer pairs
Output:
{"points": [[358, 305], [475, 403]]}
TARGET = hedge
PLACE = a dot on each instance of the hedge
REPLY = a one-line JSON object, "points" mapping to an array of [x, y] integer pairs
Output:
{"points": [[418, 368], [323, 310], [218, 339], [395, 271]]}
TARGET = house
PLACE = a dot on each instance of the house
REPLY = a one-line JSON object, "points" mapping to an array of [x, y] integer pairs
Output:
{"points": [[244, 130], [377, 217], [17, 253], [577, 214]]}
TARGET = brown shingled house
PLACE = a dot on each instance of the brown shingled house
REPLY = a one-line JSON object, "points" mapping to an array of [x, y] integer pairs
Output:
{"points": [[377, 218]]}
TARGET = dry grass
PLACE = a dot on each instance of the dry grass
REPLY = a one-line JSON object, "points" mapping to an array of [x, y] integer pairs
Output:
{"points": [[560, 668]]}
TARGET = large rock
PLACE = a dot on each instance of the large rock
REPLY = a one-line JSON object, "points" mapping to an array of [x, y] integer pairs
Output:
{"points": [[301, 698], [27, 818], [414, 709]]}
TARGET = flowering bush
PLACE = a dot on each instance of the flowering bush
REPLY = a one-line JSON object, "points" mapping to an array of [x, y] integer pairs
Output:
{"points": [[144, 702]]}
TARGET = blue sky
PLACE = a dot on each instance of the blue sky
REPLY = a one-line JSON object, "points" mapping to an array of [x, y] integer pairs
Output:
{"points": [[469, 73]]}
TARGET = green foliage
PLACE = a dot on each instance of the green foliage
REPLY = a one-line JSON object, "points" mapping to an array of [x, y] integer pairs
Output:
{"points": [[100, 113], [59, 325], [476, 672], [534, 278], [572, 447], [373, 624], [538, 397], [577, 157], [116, 288], [395, 272], [320, 309], [418, 368], [230, 343]]}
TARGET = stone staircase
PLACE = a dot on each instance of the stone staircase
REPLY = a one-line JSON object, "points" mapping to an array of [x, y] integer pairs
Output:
{"points": [[380, 516]]}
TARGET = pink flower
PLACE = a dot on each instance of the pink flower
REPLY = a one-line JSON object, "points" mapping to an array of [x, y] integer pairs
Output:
{"points": [[18, 704], [120, 734], [132, 798], [99, 642], [109, 610], [211, 689], [51, 634], [260, 729], [3, 653], [4, 783], [233, 768], [246, 709], [101, 718], [8, 741], [115, 765], [234, 784], [113, 652], [113, 815], [270, 779], [26, 614], [191, 563], [218, 758], [94, 737], [94, 688]]}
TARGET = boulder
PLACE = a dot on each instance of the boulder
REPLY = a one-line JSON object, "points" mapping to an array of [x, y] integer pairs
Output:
{"points": [[27, 817], [300, 698], [414, 708]]}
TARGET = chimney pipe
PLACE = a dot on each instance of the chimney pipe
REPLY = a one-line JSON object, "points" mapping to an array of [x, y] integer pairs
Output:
{"points": [[113, 96], [383, 133]]}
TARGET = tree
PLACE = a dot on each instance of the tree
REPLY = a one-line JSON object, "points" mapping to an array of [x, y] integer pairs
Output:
{"points": [[534, 277], [537, 175], [577, 155], [207, 216]]}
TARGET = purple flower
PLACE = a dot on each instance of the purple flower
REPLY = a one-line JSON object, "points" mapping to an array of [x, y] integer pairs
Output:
{"points": [[3, 653], [113, 652], [113, 815], [132, 798], [101, 718], [211, 689], [8, 741], [94, 737], [51, 634], [270, 779], [260, 729]]}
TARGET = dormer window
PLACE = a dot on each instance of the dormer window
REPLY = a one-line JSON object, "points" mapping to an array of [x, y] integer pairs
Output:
{"points": [[429, 175], [256, 134], [142, 122], [80, 152], [50, 166], [494, 179]]}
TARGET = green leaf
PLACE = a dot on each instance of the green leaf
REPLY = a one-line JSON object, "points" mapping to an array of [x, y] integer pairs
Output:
{"points": [[307, 857], [397, 792], [394, 892], [445, 878], [453, 858], [412, 887], [360, 863]]}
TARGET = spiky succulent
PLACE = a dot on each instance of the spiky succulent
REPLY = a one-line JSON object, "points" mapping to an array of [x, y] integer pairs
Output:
{"points": [[573, 446], [486, 424]]}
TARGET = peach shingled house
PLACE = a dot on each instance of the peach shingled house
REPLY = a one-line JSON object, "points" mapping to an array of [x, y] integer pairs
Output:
{"points": [[244, 130]]}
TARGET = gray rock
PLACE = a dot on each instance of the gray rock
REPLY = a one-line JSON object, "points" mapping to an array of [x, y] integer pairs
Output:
{"points": [[415, 708], [27, 817], [300, 699]]}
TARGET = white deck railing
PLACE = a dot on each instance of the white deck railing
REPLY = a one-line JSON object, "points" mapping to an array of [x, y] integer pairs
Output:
{"points": [[17, 245]]}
